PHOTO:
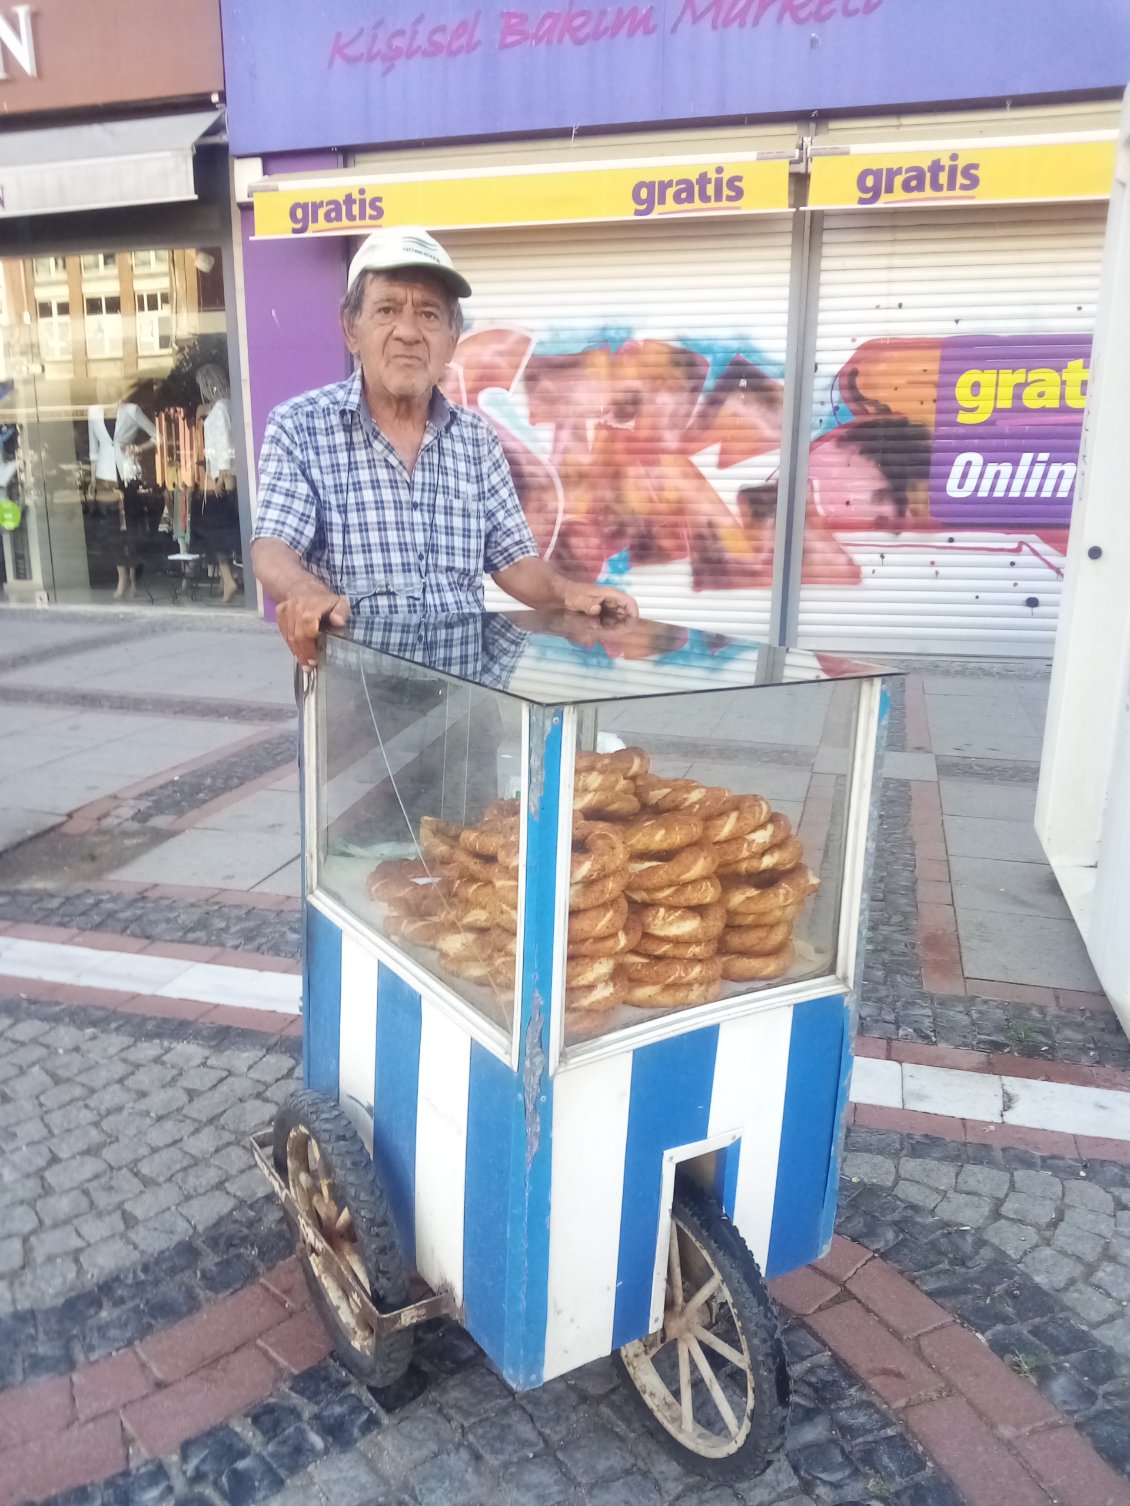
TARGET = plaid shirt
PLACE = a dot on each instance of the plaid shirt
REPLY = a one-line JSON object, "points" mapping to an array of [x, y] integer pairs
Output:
{"points": [[333, 488]]}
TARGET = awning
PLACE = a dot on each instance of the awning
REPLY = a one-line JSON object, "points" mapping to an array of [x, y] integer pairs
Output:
{"points": [[1019, 169], [350, 203], [100, 166]]}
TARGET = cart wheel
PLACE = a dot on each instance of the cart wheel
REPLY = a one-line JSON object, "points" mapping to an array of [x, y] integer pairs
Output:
{"points": [[333, 1181], [714, 1381]]}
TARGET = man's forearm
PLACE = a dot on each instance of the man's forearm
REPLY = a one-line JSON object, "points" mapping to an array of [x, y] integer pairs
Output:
{"points": [[534, 582], [278, 569]]}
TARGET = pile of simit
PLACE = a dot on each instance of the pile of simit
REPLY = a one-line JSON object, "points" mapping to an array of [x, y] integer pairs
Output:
{"points": [[675, 889]]}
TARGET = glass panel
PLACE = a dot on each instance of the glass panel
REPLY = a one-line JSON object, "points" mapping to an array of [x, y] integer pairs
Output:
{"points": [[709, 854], [116, 438], [408, 760]]}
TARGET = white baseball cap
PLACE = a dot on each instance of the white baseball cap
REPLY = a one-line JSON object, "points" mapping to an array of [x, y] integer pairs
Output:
{"points": [[403, 247]]}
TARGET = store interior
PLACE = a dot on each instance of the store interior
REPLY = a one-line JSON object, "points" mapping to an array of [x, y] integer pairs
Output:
{"points": [[117, 447]]}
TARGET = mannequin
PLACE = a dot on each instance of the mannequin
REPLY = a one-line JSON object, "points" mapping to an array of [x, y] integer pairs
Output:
{"points": [[216, 443], [113, 462]]}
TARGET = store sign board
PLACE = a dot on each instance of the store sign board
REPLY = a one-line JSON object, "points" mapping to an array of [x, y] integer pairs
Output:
{"points": [[357, 73], [970, 174], [632, 191], [1009, 424], [61, 55]]}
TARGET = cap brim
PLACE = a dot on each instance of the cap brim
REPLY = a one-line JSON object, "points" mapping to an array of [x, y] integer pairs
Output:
{"points": [[454, 280]]}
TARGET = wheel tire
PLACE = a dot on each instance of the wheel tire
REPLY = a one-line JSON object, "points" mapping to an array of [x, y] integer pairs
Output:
{"points": [[747, 1310], [347, 1169]]}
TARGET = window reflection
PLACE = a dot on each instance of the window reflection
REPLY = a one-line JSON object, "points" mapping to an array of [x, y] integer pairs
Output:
{"points": [[117, 453]]}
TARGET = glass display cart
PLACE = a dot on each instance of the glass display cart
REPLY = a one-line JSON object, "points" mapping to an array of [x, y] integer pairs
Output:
{"points": [[584, 914]]}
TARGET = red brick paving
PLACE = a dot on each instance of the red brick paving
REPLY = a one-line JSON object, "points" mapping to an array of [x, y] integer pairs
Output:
{"points": [[89, 1451], [843, 1259], [1065, 1462], [983, 1467], [163, 1420], [903, 1308], [298, 1343], [803, 1291], [894, 1372], [35, 1410], [1012, 993], [1007, 1402], [1003, 1063], [109, 1384], [227, 1325]]}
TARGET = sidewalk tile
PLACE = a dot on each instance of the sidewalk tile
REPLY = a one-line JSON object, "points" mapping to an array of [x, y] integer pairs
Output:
{"points": [[1067, 1109], [220, 1329], [993, 838], [843, 1259], [1012, 993], [876, 1082], [35, 1410], [88, 1452], [107, 1385], [941, 1090], [803, 1291], [299, 1342], [1023, 949], [162, 1421], [908, 1122], [926, 1055]]}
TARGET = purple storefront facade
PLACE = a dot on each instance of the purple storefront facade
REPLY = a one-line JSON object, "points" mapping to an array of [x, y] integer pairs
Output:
{"points": [[922, 480]]}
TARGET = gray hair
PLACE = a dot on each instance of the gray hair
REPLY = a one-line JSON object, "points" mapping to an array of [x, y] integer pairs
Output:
{"points": [[354, 301]]}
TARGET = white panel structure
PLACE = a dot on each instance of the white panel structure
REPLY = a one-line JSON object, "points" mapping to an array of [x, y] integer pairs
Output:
{"points": [[441, 1149]]}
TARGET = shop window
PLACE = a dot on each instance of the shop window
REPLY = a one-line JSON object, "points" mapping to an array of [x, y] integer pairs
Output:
{"points": [[103, 327], [209, 279], [154, 323], [54, 329]]}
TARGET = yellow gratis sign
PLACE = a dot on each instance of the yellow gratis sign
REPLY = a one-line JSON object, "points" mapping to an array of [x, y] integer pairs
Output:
{"points": [[353, 205], [969, 174]]}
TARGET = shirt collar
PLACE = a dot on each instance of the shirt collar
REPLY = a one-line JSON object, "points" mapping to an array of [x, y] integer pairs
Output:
{"points": [[440, 411]]}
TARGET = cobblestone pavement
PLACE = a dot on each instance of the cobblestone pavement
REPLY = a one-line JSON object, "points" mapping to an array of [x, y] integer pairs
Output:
{"points": [[1032, 1251], [117, 1141], [202, 923]]}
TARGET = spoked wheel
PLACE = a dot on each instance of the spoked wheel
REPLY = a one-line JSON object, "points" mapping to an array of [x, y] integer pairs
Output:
{"points": [[333, 1183], [713, 1381]]}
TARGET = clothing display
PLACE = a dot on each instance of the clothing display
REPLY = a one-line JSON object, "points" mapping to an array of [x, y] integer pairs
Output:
{"points": [[110, 457], [219, 440]]}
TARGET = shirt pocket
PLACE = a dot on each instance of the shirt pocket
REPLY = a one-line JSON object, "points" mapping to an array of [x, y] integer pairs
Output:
{"points": [[458, 540]]}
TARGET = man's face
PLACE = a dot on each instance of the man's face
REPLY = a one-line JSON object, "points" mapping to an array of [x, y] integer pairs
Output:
{"points": [[403, 335]]}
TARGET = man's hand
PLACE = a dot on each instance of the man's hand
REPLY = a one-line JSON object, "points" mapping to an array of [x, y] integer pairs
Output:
{"points": [[536, 583], [599, 601], [304, 613]]}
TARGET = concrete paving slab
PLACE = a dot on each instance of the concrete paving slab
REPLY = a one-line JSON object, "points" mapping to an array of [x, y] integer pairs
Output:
{"points": [[67, 783], [1010, 948], [287, 880], [17, 826], [1007, 888], [264, 811], [987, 687], [17, 720], [980, 837], [212, 859], [31, 631], [770, 780], [962, 726], [898, 764], [981, 797]]}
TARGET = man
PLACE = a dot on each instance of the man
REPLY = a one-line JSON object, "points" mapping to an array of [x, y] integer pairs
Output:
{"points": [[378, 495]]}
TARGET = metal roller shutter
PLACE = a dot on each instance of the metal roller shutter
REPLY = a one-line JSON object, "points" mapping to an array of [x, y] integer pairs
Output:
{"points": [[634, 372], [919, 313]]}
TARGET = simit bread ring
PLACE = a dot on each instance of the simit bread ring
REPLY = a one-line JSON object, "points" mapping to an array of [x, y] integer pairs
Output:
{"points": [[601, 920], [663, 946], [393, 876], [439, 840], [423, 930], [767, 835], [598, 850], [667, 833], [501, 892], [678, 995], [503, 810], [627, 763], [700, 891], [751, 969], [427, 899], [583, 972], [607, 946], [755, 941], [785, 855], [682, 795], [681, 924], [613, 797], [468, 866], [604, 995], [750, 812], [747, 899], [694, 862], [668, 971], [597, 891], [503, 944], [485, 839]]}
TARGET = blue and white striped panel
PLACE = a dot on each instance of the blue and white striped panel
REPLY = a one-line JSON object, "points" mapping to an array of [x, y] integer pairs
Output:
{"points": [[771, 1084]]}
